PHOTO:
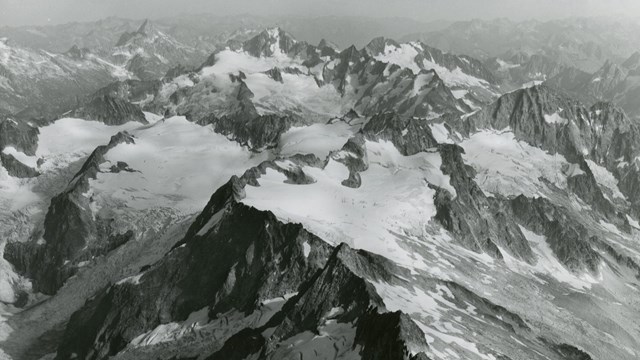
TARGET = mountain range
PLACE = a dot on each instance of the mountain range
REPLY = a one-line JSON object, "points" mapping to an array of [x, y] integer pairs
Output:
{"points": [[252, 195]]}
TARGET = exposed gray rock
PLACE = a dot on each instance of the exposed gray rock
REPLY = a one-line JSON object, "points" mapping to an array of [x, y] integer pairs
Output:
{"points": [[233, 257], [354, 156], [257, 133], [385, 336], [71, 233], [474, 221], [19, 134], [16, 168], [110, 110], [409, 135], [569, 240]]}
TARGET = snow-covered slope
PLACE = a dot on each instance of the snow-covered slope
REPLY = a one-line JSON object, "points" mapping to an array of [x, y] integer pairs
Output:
{"points": [[465, 75], [172, 164]]}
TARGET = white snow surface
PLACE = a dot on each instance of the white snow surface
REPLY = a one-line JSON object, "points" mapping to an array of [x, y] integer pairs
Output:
{"points": [[317, 139], [69, 139], [555, 118], [176, 164], [297, 92], [405, 56], [394, 198], [508, 166], [440, 133]]}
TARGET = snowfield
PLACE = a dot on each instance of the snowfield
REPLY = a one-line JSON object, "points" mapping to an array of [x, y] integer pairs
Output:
{"points": [[394, 198], [175, 164], [508, 166], [317, 139]]}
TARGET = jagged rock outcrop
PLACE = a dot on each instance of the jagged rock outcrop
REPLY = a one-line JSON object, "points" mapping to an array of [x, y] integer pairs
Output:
{"points": [[339, 294], [388, 336], [365, 83], [78, 53], [354, 156], [294, 174], [18, 134], [409, 135], [471, 217], [16, 168], [569, 240], [538, 116], [257, 133], [269, 42], [72, 232], [429, 55], [557, 124], [110, 110], [233, 257], [133, 91]]}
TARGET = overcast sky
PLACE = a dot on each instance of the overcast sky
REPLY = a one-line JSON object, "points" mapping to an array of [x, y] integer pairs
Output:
{"points": [[38, 12]]}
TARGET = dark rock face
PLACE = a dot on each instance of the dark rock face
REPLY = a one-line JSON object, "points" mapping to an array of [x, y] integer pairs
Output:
{"points": [[354, 156], [602, 133], [340, 285], [337, 285], [110, 110], [275, 74], [568, 239], [294, 174], [233, 257], [71, 233], [570, 352], [385, 336], [258, 133], [77, 53], [268, 41], [471, 217], [585, 186], [16, 168], [524, 112], [130, 90], [409, 135], [19, 134]]}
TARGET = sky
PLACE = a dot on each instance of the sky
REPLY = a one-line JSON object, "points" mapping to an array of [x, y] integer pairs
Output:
{"points": [[40, 12]]}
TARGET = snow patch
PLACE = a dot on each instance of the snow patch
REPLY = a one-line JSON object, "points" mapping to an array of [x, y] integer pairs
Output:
{"points": [[508, 166], [555, 118]]}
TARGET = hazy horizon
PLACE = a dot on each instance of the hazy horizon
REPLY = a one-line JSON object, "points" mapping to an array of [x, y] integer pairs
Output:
{"points": [[43, 12]]}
